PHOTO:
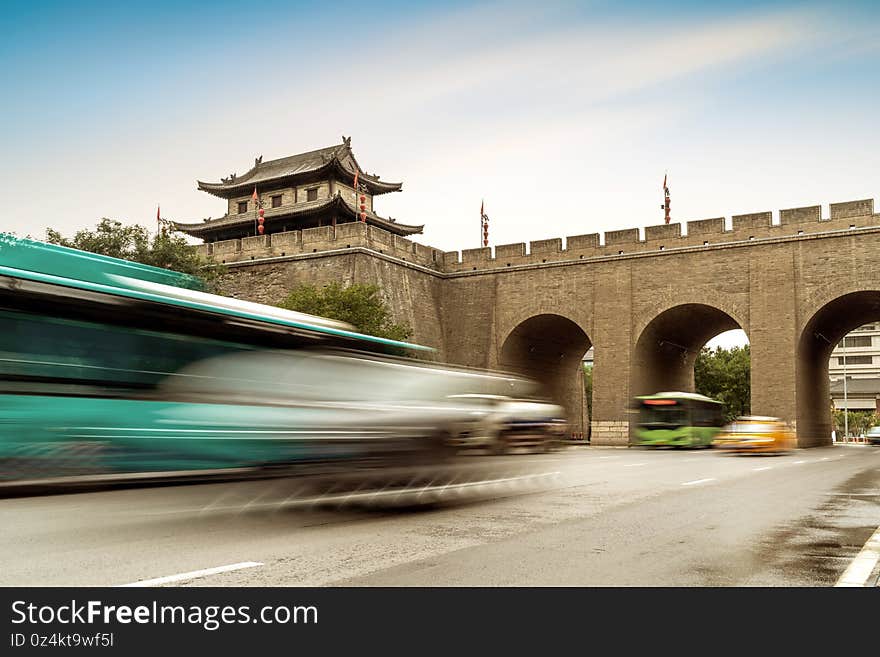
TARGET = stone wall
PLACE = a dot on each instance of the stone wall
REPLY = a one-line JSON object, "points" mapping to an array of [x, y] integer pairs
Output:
{"points": [[768, 278]]}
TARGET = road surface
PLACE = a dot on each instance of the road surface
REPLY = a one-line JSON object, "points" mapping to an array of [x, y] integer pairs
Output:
{"points": [[587, 516]]}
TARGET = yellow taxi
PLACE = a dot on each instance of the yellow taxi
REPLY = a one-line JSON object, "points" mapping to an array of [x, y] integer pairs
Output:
{"points": [[756, 434]]}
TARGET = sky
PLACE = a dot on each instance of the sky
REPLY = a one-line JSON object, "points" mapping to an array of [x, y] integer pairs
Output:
{"points": [[562, 117]]}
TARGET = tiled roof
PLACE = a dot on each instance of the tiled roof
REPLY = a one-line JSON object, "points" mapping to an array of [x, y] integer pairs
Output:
{"points": [[339, 157], [298, 210]]}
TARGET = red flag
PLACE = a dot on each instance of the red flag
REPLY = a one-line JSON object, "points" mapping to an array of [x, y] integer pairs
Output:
{"points": [[255, 197], [481, 209], [664, 181], [356, 181], [158, 220]]}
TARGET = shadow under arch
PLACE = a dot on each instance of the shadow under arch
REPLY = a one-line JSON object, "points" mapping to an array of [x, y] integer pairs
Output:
{"points": [[668, 346], [825, 329], [550, 349]]}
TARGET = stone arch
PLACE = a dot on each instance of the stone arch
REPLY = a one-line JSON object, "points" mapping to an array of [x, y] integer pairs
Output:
{"points": [[668, 345], [737, 311], [823, 329], [549, 348]]}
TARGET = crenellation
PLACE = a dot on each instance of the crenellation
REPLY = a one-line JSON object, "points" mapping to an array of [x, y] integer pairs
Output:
{"points": [[862, 208], [754, 226], [289, 241], [403, 245], [546, 246], [625, 236], [450, 258], [351, 230], [257, 243], [480, 256], [753, 220], [662, 232], [702, 227], [800, 215], [582, 242], [225, 247], [383, 237], [517, 250], [320, 234]]}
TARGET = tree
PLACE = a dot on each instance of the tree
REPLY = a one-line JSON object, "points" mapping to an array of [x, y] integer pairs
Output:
{"points": [[358, 304], [725, 375], [166, 250], [858, 421]]}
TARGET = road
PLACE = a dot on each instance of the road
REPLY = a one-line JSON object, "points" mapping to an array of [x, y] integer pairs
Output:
{"points": [[589, 516]]}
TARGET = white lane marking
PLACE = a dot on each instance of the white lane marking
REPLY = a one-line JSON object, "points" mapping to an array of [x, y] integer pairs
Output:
{"points": [[698, 481], [766, 467], [633, 465], [194, 574], [609, 457], [798, 462], [824, 458], [858, 572]]}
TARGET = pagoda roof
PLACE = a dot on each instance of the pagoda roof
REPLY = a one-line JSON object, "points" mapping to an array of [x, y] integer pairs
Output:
{"points": [[337, 159], [209, 226]]}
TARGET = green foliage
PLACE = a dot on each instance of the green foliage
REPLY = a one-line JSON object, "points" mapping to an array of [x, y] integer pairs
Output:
{"points": [[859, 421], [358, 304], [724, 374], [134, 243]]}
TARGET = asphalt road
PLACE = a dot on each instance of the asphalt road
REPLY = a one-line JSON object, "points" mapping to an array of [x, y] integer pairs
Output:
{"points": [[586, 516]]}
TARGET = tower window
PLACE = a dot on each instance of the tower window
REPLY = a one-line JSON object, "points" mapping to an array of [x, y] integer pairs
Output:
{"points": [[242, 207], [276, 201], [312, 194]]}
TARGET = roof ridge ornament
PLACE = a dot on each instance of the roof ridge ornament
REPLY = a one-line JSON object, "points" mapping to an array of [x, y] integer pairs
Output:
{"points": [[346, 141], [258, 160]]}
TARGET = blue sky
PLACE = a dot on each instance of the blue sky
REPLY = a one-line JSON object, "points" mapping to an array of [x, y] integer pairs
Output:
{"points": [[562, 116]]}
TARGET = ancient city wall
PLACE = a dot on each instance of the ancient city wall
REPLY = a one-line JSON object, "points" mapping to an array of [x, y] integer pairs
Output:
{"points": [[325, 238], [767, 278], [663, 237]]}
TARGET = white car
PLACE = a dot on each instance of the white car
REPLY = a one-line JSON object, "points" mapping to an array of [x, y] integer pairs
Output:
{"points": [[504, 422]]}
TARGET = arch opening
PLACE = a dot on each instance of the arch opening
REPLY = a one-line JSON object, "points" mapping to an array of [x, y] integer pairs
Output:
{"points": [[669, 345], [825, 330], [550, 349]]}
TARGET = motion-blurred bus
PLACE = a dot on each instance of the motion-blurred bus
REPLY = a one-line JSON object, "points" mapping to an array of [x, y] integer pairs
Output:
{"points": [[678, 419], [110, 368]]}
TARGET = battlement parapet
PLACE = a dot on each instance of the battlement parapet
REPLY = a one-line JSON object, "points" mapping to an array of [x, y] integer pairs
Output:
{"points": [[852, 209], [582, 242], [517, 250], [701, 232], [553, 245], [625, 236], [662, 232], [705, 226], [804, 215], [753, 220]]}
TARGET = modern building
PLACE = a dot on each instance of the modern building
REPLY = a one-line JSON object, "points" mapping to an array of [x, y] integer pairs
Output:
{"points": [[857, 357], [307, 190]]}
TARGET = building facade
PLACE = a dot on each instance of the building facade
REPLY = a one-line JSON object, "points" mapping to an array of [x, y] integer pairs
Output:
{"points": [[307, 190], [857, 358]]}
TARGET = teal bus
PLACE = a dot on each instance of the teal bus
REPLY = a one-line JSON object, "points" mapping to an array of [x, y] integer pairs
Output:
{"points": [[100, 374], [678, 419]]}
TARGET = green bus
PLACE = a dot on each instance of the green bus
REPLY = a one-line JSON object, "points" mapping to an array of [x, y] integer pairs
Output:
{"points": [[678, 419], [97, 378]]}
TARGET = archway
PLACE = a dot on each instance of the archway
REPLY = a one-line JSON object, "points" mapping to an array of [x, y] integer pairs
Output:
{"points": [[669, 345], [550, 349], [825, 329]]}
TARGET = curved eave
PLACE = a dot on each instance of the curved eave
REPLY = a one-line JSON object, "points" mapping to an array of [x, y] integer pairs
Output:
{"points": [[205, 229], [245, 185]]}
